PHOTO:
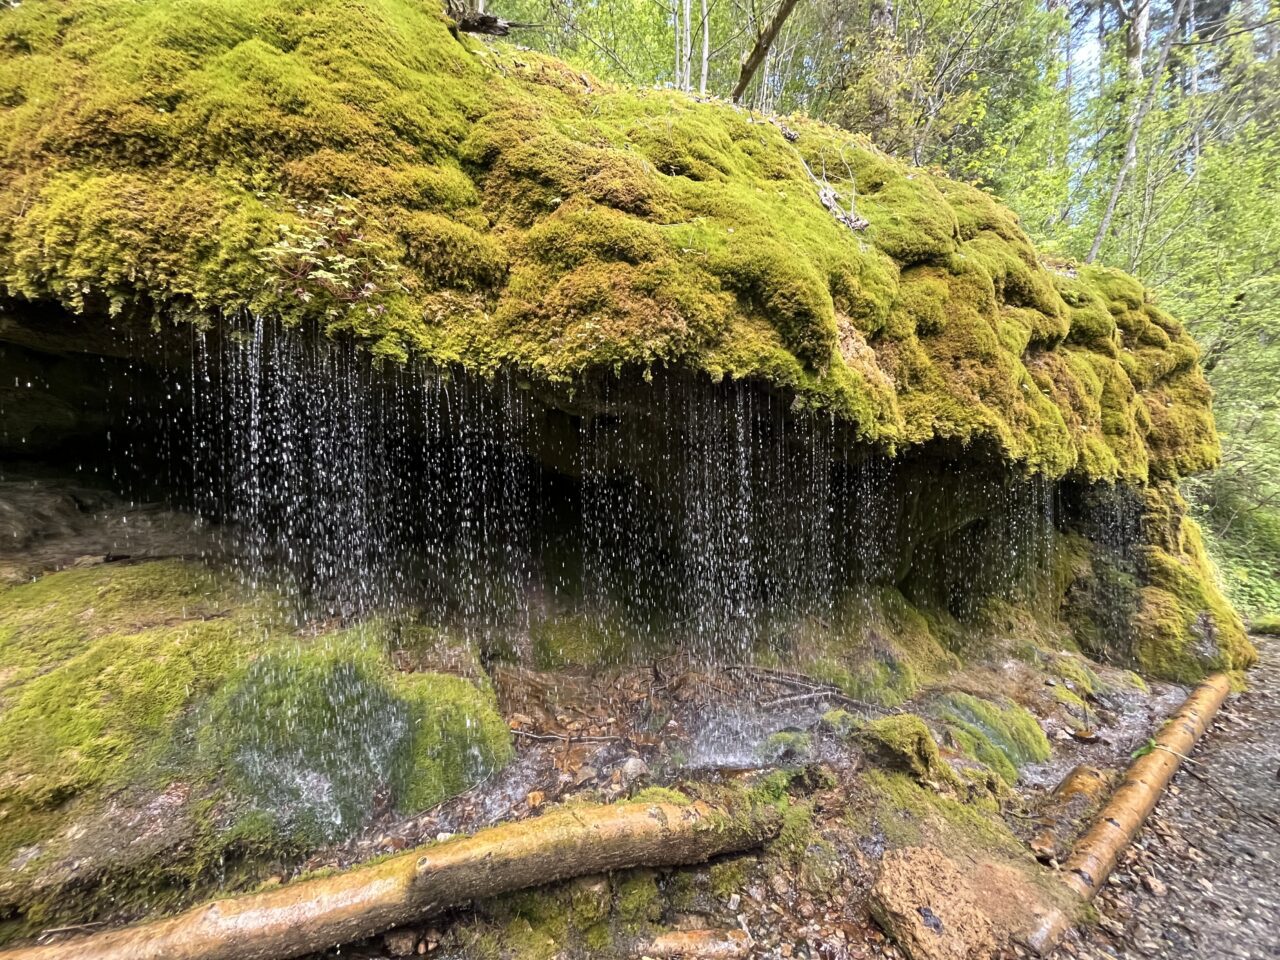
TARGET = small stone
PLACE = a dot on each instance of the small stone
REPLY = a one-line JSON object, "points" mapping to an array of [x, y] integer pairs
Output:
{"points": [[1155, 886], [734, 902], [1111, 926], [633, 769]]}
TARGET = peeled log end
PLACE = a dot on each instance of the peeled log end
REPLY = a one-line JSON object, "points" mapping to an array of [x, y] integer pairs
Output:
{"points": [[312, 915], [697, 945]]}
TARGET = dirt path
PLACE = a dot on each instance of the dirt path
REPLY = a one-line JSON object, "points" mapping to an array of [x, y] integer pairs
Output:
{"points": [[1203, 880]]}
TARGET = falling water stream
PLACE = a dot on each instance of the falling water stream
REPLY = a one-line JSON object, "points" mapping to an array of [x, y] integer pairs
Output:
{"points": [[672, 513]]}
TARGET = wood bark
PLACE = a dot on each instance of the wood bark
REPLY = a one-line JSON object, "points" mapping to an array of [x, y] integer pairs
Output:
{"points": [[706, 49], [313, 915], [1074, 801], [1095, 855], [760, 49], [696, 945]]}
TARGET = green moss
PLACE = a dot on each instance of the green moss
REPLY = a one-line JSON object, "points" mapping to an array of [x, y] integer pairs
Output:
{"points": [[514, 213], [875, 646], [661, 795], [1004, 736], [1078, 672], [1183, 627], [903, 743], [315, 731], [908, 814], [585, 639], [637, 900], [1267, 624], [95, 669], [128, 686], [840, 722], [786, 746], [730, 876]]}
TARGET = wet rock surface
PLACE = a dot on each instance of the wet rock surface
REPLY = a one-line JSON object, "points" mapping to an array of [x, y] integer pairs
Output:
{"points": [[1201, 880], [925, 904]]}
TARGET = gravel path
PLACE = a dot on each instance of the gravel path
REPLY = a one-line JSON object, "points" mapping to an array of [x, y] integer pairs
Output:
{"points": [[1203, 880]]}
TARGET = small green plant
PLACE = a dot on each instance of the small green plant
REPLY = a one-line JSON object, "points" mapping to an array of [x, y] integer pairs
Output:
{"points": [[327, 262]]}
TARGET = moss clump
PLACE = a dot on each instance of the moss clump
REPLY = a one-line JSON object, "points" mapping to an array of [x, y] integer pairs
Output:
{"points": [[1267, 624], [637, 899], [730, 876], [904, 743], [1183, 627], [473, 204], [314, 732], [97, 664], [581, 639], [786, 746], [908, 814], [840, 722], [1003, 736], [1076, 671], [661, 795], [875, 646]]}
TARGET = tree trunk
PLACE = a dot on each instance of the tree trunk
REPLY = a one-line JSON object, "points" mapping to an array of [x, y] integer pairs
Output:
{"points": [[1097, 852], [313, 915], [1135, 128], [706, 49], [688, 45], [1135, 45], [675, 25], [761, 49]]}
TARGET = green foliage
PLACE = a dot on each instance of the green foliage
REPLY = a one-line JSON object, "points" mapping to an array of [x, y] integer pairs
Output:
{"points": [[1268, 624], [326, 260]]}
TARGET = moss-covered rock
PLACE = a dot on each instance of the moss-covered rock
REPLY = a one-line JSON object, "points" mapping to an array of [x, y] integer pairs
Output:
{"points": [[312, 733], [1142, 592], [1183, 626], [903, 743], [364, 169], [1003, 736], [164, 732]]}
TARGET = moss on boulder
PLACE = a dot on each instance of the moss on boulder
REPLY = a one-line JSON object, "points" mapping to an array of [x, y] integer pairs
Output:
{"points": [[903, 743], [362, 168], [163, 732], [1003, 736]]}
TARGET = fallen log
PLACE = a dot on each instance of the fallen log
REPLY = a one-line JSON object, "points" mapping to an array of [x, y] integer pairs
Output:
{"points": [[696, 945], [1074, 801], [313, 915], [1096, 853]]}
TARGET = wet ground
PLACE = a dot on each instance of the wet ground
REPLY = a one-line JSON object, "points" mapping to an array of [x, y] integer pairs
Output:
{"points": [[1203, 879]]}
